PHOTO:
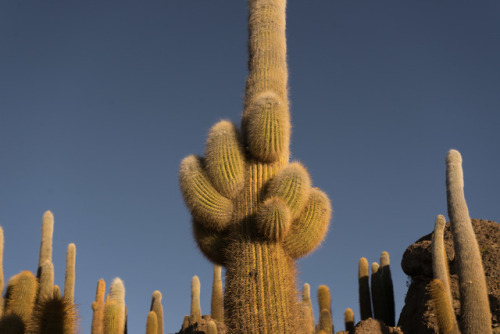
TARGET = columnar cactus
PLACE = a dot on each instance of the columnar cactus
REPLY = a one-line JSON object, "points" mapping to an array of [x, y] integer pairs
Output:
{"points": [[365, 305], [443, 308], [46, 242], [152, 323], [389, 308], [325, 322], [98, 308], [69, 278], [253, 211], [113, 317], [212, 327], [349, 320], [307, 309], [46, 289], [19, 301], [475, 310], [195, 315], [440, 267], [157, 308], [217, 302], [377, 292], [54, 315]]}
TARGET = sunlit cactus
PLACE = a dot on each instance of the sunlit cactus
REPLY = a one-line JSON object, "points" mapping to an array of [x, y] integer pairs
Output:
{"points": [[195, 315], [349, 320], [253, 211], [212, 327], [217, 302], [113, 318], [365, 305], [157, 308], [475, 311], [98, 308], [325, 322], [69, 278], [20, 300], [54, 315], [152, 323], [46, 289], [440, 267]]}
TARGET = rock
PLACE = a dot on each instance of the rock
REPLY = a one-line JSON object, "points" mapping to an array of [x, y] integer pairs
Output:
{"points": [[417, 315], [372, 326]]}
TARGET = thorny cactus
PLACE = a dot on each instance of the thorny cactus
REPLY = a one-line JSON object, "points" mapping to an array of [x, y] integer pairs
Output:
{"points": [[365, 305], [253, 211]]}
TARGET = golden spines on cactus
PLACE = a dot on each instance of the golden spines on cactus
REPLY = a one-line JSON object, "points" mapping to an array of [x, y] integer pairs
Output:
{"points": [[445, 315], [273, 219], [364, 289], [225, 164], [117, 295], [69, 277], [54, 315], [46, 242], [440, 267], [349, 319], [307, 309], [20, 297], [324, 298], [152, 323], [46, 289], [308, 231], [113, 317], [474, 304], [157, 308], [207, 205], [217, 301], [98, 308], [195, 315], [325, 321]]}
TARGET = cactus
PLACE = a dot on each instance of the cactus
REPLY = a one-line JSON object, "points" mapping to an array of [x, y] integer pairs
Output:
{"points": [[217, 306], [54, 315], [19, 302], [157, 308], [212, 327], [69, 278], [445, 315], [475, 309], [365, 305], [308, 314], [113, 317], [324, 299], [117, 310], [195, 301], [253, 212], [389, 308], [185, 323], [152, 323], [439, 259], [377, 292], [2, 283], [46, 242], [349, 320], [98, 308], [57, 292], [46, 288], [325, 322]]}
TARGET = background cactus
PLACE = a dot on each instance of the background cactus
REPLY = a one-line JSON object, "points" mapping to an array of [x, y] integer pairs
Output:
{"points": [[442, 305], [2, 282], [157, 308], [307, 309], [217, 303], [46, 242], [98, 308], [365, 305], [389, 307], [69, 277], [20, 300], [117, 315], [151, 323], [195, 315], [475, 310], [253, 212]]}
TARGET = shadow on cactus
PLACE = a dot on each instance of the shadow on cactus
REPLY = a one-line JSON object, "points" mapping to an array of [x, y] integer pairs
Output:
{"points": [[253, 211]]}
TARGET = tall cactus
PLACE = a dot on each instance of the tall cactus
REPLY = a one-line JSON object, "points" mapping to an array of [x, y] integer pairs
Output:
{"points": [[152, 323], [157, 308], [365, 305], [349, 320], [439, 258], [445, 315], [475, 309], [253, 211], [389, 307], [20, 300], [46, 242], [195, 315], [98, 308], [217, 302], [69, 277]]}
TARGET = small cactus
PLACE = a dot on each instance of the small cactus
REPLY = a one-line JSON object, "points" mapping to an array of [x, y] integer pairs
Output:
{"points": [[20, 299], [46, 242], [212, 327], [307, 309], [377, 292], [157, 308], [152, 323], [324, 299], [325, 322], [217, 302], [46, 288], [117, 294], [195, 301], [113, 318]]}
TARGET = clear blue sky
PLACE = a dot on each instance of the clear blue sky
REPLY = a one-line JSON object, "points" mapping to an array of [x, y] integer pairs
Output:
{"points": [[100, 101]]}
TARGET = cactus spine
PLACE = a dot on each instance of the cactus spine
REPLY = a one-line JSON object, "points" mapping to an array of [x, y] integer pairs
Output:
{"points": [[217, 307], [195, 301], [54, 315], [19, 301], [98, 308], [69, 278], [364, 289], [152, 323], [475, 309], [388, 290], [157, 308], [253, 212], [212, 327], [349, 320]]}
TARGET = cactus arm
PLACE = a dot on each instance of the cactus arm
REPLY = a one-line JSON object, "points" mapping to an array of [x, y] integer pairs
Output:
{"points": [[157, 308], [439, 258], [206, 204], [224, 155], [46, 289], [475, 309], [46, 242], [151, 323], [98, 308], [309, 230], [273, 219]]}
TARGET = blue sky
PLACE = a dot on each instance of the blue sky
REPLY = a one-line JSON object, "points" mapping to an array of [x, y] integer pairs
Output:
{"points": [[100, 101]]}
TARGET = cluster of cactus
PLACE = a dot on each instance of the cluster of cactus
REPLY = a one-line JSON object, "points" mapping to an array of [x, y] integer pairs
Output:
{"points": [[254, 212], [32, 303], [382, 290], [475, 314]]}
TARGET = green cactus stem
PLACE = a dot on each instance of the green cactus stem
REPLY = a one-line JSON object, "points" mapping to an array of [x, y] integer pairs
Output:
{"points": [[324, 298], [117, 294], [98, 308], [365, 305], [152, 323], [325, 322], [46, 288], [217, 302], [389, 307], [157, 308], [349, 320], [475, 311], [253, 211], [113, 317], [69, 278], [445, 315], [195, 315], [46, 242]]}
